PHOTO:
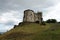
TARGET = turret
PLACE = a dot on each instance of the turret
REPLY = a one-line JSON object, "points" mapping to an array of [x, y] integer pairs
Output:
{"points": [[28, 16], [40, 19]]}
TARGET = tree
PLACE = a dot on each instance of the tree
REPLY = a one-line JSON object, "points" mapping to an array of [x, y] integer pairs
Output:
{"points": [[51, 21]]}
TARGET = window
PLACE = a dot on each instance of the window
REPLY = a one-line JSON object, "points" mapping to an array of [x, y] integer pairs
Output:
{"points": [[30, 14]]}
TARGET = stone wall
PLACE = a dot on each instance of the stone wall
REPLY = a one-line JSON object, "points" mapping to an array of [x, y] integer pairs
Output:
{"points": [[28, 16], [31, 16]]}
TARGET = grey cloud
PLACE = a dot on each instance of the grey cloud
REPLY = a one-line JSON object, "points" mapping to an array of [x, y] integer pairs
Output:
{"points": [[20, 6], [6, 5], [10, 23]]}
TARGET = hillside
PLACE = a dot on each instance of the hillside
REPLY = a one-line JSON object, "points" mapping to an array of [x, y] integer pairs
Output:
{"points": [[33, 31]]}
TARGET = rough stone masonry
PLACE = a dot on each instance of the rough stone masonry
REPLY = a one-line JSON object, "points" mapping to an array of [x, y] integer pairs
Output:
{"points": [[31, 16]]}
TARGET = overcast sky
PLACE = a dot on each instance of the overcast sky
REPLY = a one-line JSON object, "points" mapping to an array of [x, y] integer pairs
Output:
{"points": [[11, 11]]}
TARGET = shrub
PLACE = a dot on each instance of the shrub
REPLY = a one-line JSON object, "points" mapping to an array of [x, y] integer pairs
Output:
{"points": [[51, 21], [43, 23], [15, 26], [37, 22]]}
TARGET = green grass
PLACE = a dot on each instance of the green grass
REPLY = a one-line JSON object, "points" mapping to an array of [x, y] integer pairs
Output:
{"points": [[33, 31]]}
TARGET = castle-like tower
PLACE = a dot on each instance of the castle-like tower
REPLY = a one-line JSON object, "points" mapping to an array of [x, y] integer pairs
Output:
{"points": [[31, 16]]}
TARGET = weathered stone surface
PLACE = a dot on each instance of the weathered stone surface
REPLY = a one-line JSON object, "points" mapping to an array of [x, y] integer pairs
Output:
{"points": [[31, 16]]}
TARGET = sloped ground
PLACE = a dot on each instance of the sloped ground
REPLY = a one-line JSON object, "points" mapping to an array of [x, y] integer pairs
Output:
{"points": [[33, 31]]}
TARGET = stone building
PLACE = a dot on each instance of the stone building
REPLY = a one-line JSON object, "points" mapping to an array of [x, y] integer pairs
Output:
{"points": [[31, 16]]}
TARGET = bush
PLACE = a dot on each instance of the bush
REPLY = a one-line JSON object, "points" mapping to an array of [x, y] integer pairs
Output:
{"points": [[43, 23], [15, 26], [37, 22], [51, 21], [58, 22]]}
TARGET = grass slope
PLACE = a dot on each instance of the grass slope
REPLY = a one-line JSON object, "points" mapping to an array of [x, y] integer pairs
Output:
{"points": [[33, 31]]}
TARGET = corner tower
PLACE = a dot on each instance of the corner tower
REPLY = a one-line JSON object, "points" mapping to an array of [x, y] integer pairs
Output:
{"points": [[40, 19], [28, 16]]}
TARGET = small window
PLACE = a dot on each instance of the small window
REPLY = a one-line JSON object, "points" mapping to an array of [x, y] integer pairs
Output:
{"points": [[30, 14]]}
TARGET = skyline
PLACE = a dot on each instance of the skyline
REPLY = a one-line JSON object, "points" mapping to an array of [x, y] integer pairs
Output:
{"points": [[11, 11]]}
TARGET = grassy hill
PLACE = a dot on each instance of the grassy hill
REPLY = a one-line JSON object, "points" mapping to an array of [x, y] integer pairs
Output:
{"points": [[33, 31]]}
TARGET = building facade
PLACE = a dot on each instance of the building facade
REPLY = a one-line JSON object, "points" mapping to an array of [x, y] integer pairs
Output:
{"points": [[31, 16]]}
